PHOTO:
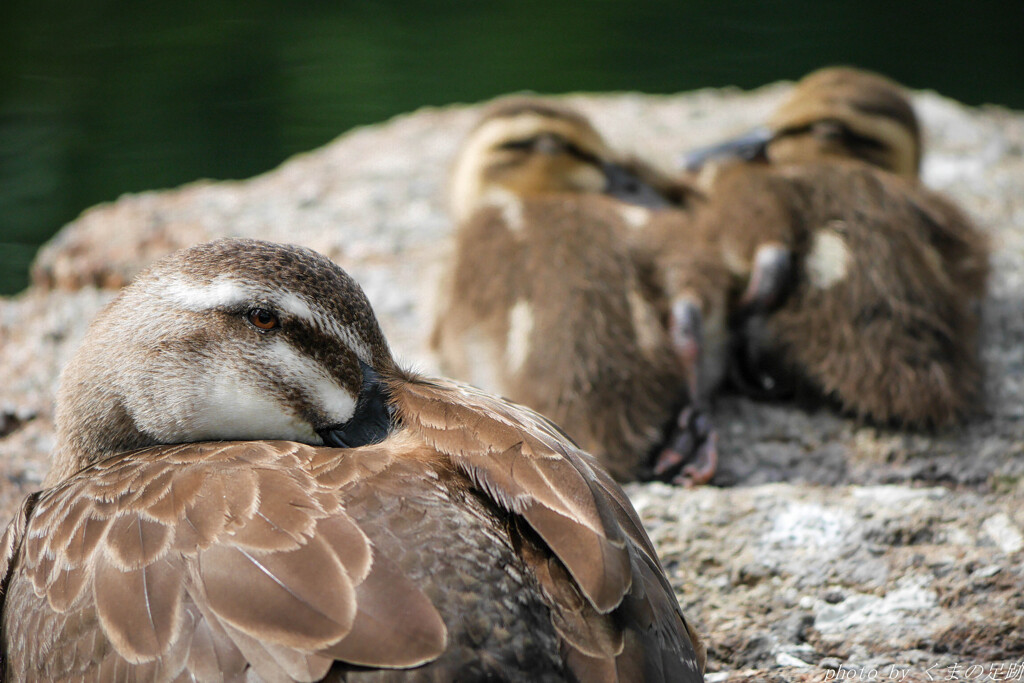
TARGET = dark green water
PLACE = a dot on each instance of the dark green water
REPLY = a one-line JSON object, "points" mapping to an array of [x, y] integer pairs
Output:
{"points": [[102, 98]]}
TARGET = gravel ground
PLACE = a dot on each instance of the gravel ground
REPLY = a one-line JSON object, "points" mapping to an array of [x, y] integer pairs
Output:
{"points": [[827, 550]]}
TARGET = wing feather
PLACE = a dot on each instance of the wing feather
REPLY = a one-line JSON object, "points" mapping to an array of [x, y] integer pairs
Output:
{"points": [[523, 467], [305, 597], [389, 632], [139, 609], [527, 465], [237, 556], [136, 542]]}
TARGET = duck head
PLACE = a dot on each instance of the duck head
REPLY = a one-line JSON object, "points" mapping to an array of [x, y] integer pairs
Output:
{"points": [[832, 113], [524, 147], [235, 339]]}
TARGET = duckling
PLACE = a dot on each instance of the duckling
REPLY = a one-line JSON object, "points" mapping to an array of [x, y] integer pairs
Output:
{"points": [[840, 113], [544, 303], [247, 486], [837, 272], [843, 113]]}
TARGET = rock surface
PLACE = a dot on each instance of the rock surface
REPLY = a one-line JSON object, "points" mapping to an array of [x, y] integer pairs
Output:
{"points": [[827, 550]]}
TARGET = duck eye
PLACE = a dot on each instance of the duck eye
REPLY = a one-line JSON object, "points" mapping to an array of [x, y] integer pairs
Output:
{"points": [[524, 145], [263, 319]]}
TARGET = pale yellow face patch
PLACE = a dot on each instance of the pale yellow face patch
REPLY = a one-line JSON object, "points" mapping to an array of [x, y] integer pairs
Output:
{"points": [[901, 148], [468, 188], [828, 259]]}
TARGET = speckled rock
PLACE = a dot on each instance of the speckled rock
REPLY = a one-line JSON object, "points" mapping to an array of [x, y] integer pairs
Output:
{"points": [[880, 576], [886, 552]]}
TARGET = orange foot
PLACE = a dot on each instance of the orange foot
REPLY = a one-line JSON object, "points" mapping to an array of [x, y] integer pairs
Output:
{"points": [[690, 457]]}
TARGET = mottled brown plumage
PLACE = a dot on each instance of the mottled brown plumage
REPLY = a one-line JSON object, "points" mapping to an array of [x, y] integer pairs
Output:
{"points": [[878, 310], [545, 302], [462, 538]]}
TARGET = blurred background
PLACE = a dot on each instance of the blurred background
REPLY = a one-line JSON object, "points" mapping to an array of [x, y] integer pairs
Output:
{"points": [[105, 97]]}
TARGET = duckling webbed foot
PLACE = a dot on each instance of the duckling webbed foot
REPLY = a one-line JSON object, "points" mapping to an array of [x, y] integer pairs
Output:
{"points": [[690, 456]]}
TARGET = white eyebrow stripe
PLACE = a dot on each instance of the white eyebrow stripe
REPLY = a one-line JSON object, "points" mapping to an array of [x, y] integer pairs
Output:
{"points": [[225, 291], [296, 305]]}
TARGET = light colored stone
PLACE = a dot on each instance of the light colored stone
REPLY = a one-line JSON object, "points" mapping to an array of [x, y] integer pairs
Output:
{"points": [[1004, 533]]}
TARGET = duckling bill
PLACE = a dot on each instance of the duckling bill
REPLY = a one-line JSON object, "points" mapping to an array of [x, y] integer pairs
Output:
{"points": [[247, 487]]}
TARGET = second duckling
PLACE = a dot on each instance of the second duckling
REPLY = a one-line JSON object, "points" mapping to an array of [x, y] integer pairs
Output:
{"points": [[835, 270], [544, 303]]}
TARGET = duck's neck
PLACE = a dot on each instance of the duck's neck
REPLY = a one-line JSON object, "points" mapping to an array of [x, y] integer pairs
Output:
{"points": [[92, 424]]}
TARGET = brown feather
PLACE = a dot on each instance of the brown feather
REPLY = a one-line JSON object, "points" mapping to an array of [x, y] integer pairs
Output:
{"points": [[72, 528], [287, 514], [139, 610], [600, 568], [348, 541], [211, 653], [14, 534], [134, 541], [307, 600], [277, 664], [386, 632], [582, 627], [580, 513], [596, 669], [527, 477], [67, 587], [168, 503]]}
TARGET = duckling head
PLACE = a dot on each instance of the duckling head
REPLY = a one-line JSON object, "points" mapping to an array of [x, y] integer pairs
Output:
{"points": [[832, 113], [231, 340], [847, 113], [524, 147]]}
